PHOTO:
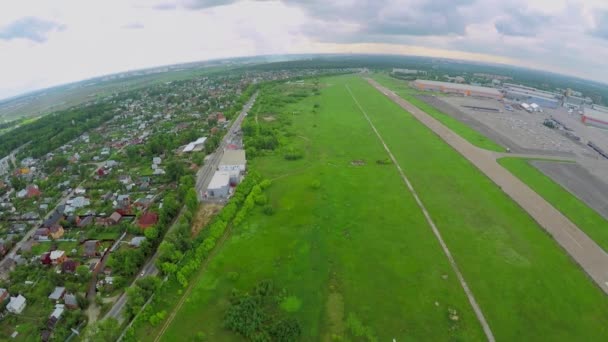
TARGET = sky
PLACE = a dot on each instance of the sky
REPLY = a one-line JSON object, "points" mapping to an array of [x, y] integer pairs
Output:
{"points": [[50, 42]]}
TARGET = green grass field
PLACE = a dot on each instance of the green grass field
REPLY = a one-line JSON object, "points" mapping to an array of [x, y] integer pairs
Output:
{"points": [[359, 246], [587, 219], [406, 92]]}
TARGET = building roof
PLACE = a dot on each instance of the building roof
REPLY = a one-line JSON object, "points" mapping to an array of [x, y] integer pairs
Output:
{"points": [[57, 254], [90, 247], [58, 311], [16, 302], [147, 219], [137, 240], [70, 299], [69, 266], [57, 293], [115, 216], [234, 157], [462, 87], [596, 114], [220, 179]]}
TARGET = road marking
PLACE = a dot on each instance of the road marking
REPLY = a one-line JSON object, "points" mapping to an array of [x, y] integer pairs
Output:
{"points": [[463, 283], [572, 237]]}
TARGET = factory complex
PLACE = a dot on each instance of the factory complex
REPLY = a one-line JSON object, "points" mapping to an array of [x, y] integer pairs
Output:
{"points": [[455, 88]]}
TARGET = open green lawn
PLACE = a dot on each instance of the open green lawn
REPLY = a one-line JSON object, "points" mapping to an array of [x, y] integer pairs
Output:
{"points": [[587, 219], [359, 246], [406, 92]]}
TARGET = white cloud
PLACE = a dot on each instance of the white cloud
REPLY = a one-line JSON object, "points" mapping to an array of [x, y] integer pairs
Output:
{"points": [[117, 35]]}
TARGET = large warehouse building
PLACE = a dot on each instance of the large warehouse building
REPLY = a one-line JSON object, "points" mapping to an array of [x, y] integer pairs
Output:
{"points": [[462, 89], [525, 94], [596, 117]]}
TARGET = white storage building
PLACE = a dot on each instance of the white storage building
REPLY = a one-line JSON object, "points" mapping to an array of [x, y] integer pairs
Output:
{"points": [[16, 305], [196, 145], [234, 162], [219, 187]]}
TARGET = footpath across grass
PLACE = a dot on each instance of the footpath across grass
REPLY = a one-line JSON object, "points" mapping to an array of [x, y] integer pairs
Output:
{"points": [[587, 219], [402, 89]]}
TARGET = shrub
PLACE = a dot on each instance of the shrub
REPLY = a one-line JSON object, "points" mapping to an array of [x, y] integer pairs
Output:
{"points": [[268, 210], [261, 199], [292, 153]]}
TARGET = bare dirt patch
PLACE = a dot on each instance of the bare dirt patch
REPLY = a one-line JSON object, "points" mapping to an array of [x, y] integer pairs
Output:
{"points": [[204, 214], [357, 162]]}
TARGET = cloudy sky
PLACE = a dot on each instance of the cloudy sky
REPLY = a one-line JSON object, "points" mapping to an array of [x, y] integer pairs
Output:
{"points": [[50, 42]]}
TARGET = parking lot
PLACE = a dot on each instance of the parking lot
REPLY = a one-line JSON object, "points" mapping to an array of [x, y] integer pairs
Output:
{"points": [[518, 130]]}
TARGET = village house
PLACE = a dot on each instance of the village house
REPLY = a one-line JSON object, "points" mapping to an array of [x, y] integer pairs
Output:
{"points": [[69, 266], [58, 257], [57, 294], [45, 258], [90, 248], [56, 231], [41, 234], [115, 218], [70, 301], [16, 305], [148, 219], [136, 241], [3, 294]]}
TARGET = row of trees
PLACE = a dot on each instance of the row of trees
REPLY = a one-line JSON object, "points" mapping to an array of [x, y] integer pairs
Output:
{"points": [[180, 256]]}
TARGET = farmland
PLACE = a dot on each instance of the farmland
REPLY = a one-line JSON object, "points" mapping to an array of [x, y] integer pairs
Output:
{"points": [[350, 252]]}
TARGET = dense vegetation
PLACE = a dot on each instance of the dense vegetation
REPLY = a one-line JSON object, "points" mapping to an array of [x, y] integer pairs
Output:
{"points": [[54, 130]]}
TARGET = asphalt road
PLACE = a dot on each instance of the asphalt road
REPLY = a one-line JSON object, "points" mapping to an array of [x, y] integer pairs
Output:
{"points": [[205, 173], [149, 269]]}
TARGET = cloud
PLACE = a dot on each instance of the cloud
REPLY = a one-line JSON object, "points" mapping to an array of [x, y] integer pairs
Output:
{"points": [[192, 4], [521, 23], [133, 26], [375, 19], [601, 25], [31, 28]]}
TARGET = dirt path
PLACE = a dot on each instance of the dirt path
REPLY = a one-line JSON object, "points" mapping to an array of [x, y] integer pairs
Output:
{"points": [[480, 317], [577, 244]]}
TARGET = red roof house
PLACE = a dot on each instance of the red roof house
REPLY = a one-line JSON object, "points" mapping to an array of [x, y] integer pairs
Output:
{"points": [[33, 191], [147, 220]]}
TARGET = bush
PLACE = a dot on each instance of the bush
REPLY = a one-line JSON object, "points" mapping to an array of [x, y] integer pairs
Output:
{"points": [[261, 199], [385, 161], [316, 184], [268, 210], [292, 153]]}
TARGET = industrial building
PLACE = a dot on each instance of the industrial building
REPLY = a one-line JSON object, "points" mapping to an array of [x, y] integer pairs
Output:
{"points": [[233, 162], [596, 117], [576, 102], [525, 94], [219, 187], [462, 89]]}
